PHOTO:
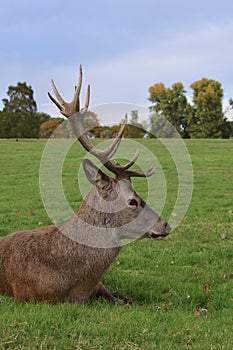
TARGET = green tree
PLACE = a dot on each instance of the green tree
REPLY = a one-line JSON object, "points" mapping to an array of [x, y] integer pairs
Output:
{"points": [[161, 127], [169, 103], [43, 117], [114, 130], [231, 102], [97, 131], [229, 132], [18, 117], [90, 121], [231, 128], [49, 126], [207, 119], [134, 129]]}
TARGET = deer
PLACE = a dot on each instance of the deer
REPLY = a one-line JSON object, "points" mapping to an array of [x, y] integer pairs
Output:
{"points": [[54, 264]]}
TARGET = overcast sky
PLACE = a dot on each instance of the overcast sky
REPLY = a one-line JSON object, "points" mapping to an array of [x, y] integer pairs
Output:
{"points": [[124, 46]]}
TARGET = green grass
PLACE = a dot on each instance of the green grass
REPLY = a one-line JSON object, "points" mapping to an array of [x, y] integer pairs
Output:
{"points": [[165, 279]]}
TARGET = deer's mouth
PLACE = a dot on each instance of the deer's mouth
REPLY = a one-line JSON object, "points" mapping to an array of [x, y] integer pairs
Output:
{"points": [[157, 236], [160, 235]]}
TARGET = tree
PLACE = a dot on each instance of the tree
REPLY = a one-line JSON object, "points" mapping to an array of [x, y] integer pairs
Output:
{"points": [[18, 117], [97, 131], [90, 121], [114, 130], [49, 126], [207, 119], [231, 102], [134, 129], [231, 129], [171, 104], [229, 132], [43, 117], [160, 127], [106, 132]]}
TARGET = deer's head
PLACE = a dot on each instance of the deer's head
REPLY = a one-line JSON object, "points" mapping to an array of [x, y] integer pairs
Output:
{"points": [[112, 202]]}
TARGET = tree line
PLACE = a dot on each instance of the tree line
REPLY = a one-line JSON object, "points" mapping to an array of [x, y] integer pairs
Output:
{"points": [[19, 117], [202, 118]]}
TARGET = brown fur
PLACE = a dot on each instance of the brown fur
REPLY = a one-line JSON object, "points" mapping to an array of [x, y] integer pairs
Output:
{"points": [[46, 264]]}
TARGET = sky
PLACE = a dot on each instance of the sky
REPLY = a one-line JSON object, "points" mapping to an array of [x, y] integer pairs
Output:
{"points": [[124, 46]]}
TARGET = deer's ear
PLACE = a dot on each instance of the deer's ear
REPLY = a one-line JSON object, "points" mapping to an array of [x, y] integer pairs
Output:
{"points": [[94, 175]]}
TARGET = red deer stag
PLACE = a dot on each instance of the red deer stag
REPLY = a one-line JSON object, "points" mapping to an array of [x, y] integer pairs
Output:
{"points": [[49, 263]]}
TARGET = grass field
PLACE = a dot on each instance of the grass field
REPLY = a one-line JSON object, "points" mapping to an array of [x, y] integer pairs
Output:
{"points": [[181, 287]]}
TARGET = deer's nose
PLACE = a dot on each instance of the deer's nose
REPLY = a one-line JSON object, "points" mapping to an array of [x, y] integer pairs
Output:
{"points": [[167, 228]]}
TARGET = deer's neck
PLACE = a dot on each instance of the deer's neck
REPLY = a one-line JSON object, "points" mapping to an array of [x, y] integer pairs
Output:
{"points": [[92, 227], [95, 217]]}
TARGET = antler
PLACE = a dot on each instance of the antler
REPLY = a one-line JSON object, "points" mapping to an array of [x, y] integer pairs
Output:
{"points": [[72, 108], [69, 108]]}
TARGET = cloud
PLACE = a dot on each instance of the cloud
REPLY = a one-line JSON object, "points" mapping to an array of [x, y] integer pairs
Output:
{"points": [[118, 72], [127, 77]]}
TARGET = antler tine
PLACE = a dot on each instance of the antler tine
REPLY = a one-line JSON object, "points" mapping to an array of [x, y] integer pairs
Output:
{"points": [[80, 79], [112, 148], [58, 96], [129, 164], [108, 152], [102, 155], [122, 172], [132, 173], [55, 101], [85, 108], [75, 101], [68, 109], [132, 161]]}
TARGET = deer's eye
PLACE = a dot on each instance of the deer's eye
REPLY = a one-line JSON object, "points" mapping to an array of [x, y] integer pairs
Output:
{"points": [[133, 202]]}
